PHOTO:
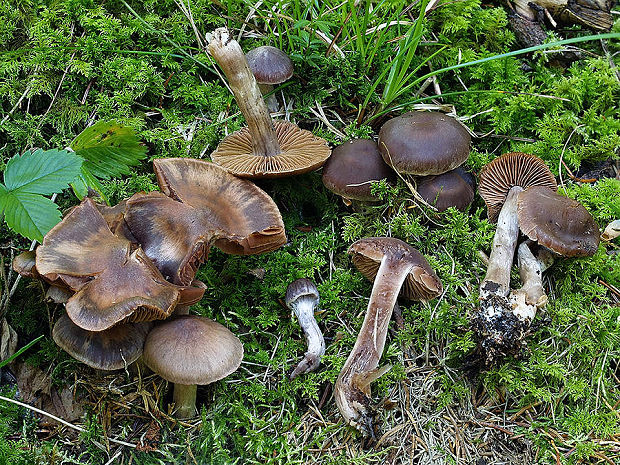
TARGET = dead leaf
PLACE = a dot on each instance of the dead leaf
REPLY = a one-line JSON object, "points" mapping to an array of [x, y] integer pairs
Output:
{"points": [[8, 340]]}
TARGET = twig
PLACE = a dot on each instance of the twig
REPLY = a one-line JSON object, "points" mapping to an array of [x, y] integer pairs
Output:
{"points": [[60, 420]]}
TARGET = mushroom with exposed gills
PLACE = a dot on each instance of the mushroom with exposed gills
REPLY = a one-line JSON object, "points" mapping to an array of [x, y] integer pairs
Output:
{"points": [[113, 280], [501, 182], [302, 297], [396, 264], [264, 148], [190, 350], [110, 349]]}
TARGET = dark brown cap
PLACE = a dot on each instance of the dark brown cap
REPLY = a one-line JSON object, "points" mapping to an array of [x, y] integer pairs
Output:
{"points": [[352, 167], [443, 191], [424, 143], [301, 288], [119, 282], [300, 152], [557, 222], [510, 170], [192, 350], [249, 218], [112, 349], [270, 65], [421, 284]]}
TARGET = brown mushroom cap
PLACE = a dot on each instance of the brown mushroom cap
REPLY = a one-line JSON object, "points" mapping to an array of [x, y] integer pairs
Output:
{"points": [[300, 152], [510, 170], [421, 284], [112, 349], [249, 218], [116, 282], [270, 65], [557, 222], [25, 264], [192, 350], [424, 143], [446, 190], [352, 167]]}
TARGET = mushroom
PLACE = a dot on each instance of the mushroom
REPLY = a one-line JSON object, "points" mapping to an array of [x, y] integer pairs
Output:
{"points": [[501, 182], [263, 148], [611, 231], [270, 66], [424, 143], [396, 264], [302, 297], [454, 188], [111, 349], [189, 351], [113, 280], [352, 168]]}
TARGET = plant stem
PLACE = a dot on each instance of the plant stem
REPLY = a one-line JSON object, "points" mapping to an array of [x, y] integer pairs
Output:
{"points": [[228, 54]]}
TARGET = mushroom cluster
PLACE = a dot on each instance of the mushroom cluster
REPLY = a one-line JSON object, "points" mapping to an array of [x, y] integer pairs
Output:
{"points": [[429, 146], [123, 269], [520, 194]]}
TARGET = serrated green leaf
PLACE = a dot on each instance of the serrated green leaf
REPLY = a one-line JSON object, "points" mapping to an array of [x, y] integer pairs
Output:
{"points": [[41, 171], [86, 181], [30, 215], [109, 149]]}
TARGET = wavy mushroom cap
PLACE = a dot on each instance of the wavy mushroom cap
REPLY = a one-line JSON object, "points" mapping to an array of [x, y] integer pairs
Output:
{"points": [[557, 222], [192, 350], [111, 349], [424, 143], [352, 168], [421, 284], [269, 65], [451, 189], [510, 170], [300, 152], [117, 282], [247, 217]]}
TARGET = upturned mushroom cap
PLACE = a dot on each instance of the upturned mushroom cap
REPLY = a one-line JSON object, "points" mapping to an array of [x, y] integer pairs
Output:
{"points": [[116, 281], [192, 350], [557, 222], [111, 349], [300, 152], [352, 168], [424, 143], [510, 170], [443, 191], [270, 65], [249, 218], [421, 284]]}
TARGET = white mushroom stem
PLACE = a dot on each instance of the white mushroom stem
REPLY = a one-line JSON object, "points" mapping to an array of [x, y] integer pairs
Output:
{"points": [[527, 300], [184, 398], [304, 310], [497, 279], [231, 59], [272, 102], [352, 389]]}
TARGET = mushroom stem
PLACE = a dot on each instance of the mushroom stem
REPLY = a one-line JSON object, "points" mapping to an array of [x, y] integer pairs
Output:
{"points": [[184, 400], [497, 279], [229, 56], [499, 329], [352, 389], [272, 102], [314, 337]]}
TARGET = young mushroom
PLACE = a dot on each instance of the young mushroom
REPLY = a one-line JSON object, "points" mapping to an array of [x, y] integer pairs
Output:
{"points": [[189, 351], [454, 188], [501, 182], [302, 297], [270, 66], [263, 148], [395, 264]]}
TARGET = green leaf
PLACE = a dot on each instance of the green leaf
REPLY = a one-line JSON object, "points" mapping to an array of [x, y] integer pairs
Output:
{"points": [[30, 215], [109, 149], [41, 171], [86, 181], [3, 198]]}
